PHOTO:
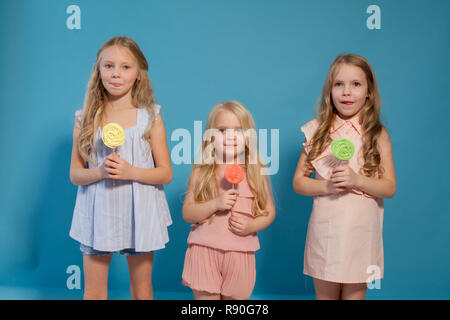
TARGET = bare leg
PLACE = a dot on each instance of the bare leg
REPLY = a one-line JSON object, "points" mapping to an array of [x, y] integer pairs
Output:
{"points": [[141, 276], [326, 290], [96, 270], [354, 291], [202, 295]]}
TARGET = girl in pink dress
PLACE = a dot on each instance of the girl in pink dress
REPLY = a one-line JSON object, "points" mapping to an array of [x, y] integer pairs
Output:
{"points": [[220, 259], [344, 245]]}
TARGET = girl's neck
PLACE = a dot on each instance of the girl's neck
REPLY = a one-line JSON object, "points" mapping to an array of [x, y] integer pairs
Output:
{"points": [[119, 103], [356, 115]]}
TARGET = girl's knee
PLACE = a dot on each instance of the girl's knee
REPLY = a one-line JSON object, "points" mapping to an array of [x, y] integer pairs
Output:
{"points": [[141, 290], [142, 294], [95, 295]]}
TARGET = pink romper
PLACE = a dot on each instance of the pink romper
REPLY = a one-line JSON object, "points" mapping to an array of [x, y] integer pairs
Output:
{"points": [[344, 241], [217, 260]]}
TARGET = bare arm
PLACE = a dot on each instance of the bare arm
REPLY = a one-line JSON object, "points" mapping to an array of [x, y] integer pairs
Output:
{"points": [[261, 222], [385, 185], [194, 211], [79, 174]]}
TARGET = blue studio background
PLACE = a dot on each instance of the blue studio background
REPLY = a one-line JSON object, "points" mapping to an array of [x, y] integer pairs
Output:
{"points": [[273, 57]]}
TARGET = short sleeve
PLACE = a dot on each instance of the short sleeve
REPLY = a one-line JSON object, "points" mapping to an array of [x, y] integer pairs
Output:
{"points": [[309, 129], [144, 120], [324, 163], [157, 109], [78, 115]]}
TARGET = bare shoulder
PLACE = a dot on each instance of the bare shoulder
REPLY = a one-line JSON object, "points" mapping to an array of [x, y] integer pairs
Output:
{"points": [[157, 124], [384, 138], [158, 130], [384, 135], [384, 143]]}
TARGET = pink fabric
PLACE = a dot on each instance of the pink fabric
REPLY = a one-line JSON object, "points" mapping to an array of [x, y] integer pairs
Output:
{"points": [[344, 234], [216, 234], [229, 273]]}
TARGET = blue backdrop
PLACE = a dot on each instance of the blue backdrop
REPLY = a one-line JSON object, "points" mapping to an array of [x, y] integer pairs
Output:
{"points": [[273, 57]]}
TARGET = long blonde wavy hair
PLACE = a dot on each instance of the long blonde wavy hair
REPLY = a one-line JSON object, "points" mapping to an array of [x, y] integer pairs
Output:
{"points": [[369, 116], [205, 187], [97, 97]]}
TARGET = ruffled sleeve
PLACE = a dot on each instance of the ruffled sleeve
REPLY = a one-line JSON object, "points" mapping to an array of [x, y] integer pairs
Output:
{"points": [[157, 109], [147, 116], [325, 162], [78, 115], [309, 129]]}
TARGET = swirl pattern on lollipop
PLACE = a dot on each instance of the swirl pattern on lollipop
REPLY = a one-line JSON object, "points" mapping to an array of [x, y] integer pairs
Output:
{"points": [[342, 149], [234, 174], [113, 135]]}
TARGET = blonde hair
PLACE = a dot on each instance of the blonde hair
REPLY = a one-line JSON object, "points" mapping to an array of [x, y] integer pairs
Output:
{"points": [[369, 116], [96, 97], [205, 185]]}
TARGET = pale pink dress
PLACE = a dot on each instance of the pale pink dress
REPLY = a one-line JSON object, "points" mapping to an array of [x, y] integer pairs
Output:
{"points": [[344, 241]]}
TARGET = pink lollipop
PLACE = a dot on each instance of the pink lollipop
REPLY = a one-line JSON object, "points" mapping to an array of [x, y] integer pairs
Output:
{"points": [[234, 174]]}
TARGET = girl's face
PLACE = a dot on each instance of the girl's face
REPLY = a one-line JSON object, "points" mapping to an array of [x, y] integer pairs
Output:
{"points": [[118, 70], [231, 141], [349, 91]]}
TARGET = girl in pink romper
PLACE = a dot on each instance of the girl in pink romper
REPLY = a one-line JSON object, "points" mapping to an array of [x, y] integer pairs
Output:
{"points": [[220, 259], [344, 245]]}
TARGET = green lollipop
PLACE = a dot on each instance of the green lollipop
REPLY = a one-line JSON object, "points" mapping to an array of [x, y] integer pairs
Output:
{"points": [[343, 149]]}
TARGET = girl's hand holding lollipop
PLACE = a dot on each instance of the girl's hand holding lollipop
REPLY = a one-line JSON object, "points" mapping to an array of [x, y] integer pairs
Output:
{"points": [[233, 174], [238, 224], [117, 168], [343, 176], [113, 136]]}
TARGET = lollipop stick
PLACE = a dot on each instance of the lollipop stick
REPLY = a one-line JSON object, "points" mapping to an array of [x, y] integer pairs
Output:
{"points": [[114, 181], [113, 136]]}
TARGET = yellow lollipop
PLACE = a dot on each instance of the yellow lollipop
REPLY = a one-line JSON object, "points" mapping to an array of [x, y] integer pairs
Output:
{"points": [[113, 135]]}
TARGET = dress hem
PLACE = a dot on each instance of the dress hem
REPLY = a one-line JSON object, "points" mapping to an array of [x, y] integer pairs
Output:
{"points": [[338, 281], [162, 246]]}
